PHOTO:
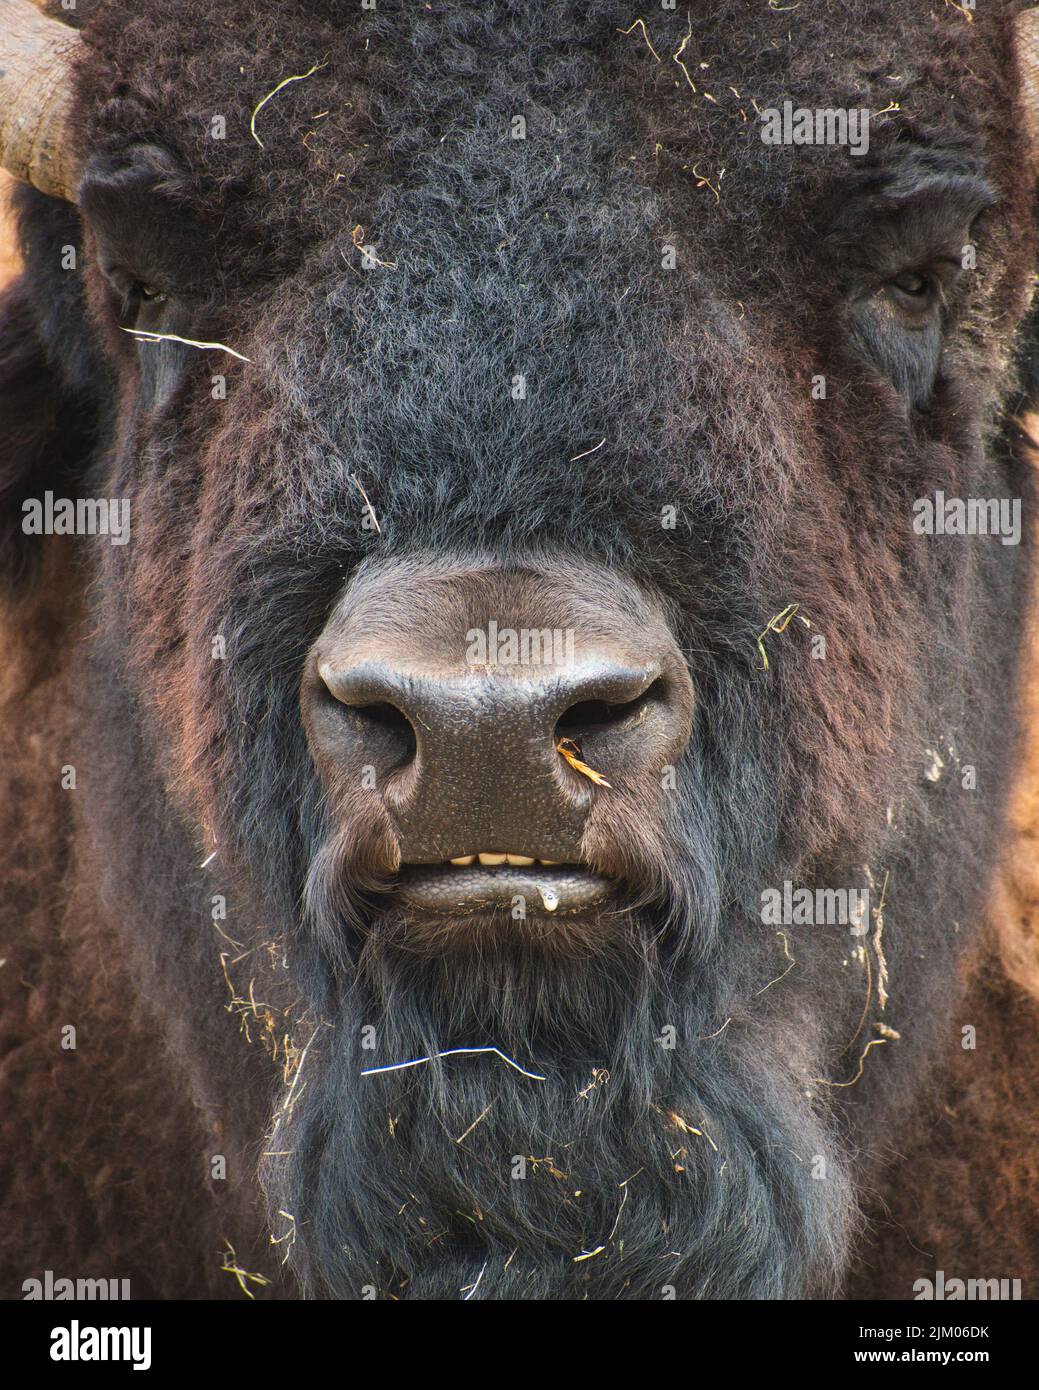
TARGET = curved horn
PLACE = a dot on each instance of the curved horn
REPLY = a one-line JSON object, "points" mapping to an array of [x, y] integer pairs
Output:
{"points": [[1026, 35], [35, 59]]}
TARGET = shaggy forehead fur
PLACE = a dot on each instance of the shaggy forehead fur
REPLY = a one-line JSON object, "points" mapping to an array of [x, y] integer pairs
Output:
{"points": [[406, 128], [538, 255]]}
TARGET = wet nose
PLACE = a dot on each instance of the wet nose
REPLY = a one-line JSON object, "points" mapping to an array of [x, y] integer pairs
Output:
{"points": [[495, 748]]}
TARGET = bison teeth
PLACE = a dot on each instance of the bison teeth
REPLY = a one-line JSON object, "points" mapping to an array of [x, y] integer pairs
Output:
{"points": [[550, 898], [495, 858]]}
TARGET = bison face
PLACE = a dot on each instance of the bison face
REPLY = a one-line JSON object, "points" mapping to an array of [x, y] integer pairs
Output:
{"points": [[527, 622]]}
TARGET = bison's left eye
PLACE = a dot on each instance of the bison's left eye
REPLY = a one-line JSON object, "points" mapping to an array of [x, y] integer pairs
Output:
{"points": [[911, 282], [914, 290], [920, 293], [898, 326], [900, 234]]}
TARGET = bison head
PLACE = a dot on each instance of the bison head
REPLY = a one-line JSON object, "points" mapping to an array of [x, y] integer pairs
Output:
{"points": [[543, 741]]}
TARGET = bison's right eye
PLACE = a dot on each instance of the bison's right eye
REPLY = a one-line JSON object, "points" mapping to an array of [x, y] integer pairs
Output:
{"points": [[153, 251], [136, 299]]}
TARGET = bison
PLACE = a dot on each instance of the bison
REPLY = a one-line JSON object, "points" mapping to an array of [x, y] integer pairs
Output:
{"points": [[516, 561]]}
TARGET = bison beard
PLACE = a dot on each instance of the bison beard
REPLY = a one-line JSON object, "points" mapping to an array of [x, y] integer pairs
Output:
{"points": [[650, 1171]]}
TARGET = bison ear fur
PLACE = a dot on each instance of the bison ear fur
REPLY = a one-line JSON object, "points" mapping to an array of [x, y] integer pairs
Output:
{"points": [[52, 381]]}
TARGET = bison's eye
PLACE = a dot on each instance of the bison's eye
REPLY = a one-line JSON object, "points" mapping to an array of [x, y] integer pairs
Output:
{"points": [[157, 257], [900, 235], [152, 250], [898, 325], [911, 282], [916, 292], [137, 297]]}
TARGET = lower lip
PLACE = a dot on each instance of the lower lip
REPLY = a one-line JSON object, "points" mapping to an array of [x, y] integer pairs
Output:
{"points": [[544, 891]]}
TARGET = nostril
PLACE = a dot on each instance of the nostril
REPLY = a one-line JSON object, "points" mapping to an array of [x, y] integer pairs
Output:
{"points": [[600, 716], [387, 716], [389, 724], [380, 724]]}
